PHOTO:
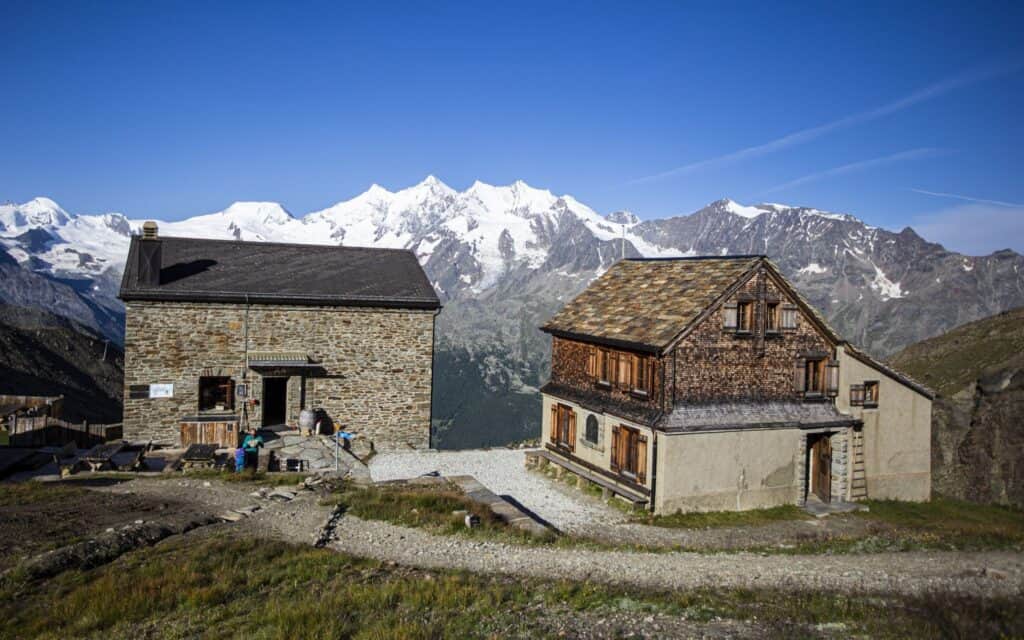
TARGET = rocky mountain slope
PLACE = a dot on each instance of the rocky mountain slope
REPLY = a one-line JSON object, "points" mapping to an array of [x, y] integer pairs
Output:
{"points": [[977, 432], [45, 354], [504, 258]]}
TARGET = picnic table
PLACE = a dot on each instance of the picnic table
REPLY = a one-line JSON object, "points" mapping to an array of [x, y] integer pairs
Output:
{"points": [[102, 455], [199, 456]]}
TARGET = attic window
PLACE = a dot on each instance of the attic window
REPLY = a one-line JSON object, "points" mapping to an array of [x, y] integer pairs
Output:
{"points": [[816, 377], [744, 316], [771, 317]]}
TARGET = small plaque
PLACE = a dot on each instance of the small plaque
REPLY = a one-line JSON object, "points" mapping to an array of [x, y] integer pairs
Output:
{"points": [[241, 390], [161, 391]]}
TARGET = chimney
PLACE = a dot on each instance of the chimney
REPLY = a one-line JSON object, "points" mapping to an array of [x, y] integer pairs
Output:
{"points": [[150, 256]]}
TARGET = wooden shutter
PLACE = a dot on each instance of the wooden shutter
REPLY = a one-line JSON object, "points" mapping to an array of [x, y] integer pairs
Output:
{"points": [[832, 379], [800, 376], [641, 459], [789, 316], [553, 434], [856, 395], [615, 448], [625, 366], [592, 363], [729, 316], [572, 431]]}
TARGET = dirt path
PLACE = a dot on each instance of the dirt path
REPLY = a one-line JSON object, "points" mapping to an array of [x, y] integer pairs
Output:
{"points": [[990, 573], [993, 573]]}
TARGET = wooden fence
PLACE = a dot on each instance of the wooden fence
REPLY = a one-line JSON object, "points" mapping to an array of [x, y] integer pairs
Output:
{"points": [[44, 431]]}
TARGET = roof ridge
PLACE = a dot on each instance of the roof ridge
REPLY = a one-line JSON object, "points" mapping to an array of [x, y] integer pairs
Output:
{"points": [[739, 256], [304, 245]]}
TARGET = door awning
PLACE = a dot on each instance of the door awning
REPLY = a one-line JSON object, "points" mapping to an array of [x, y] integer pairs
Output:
{"points": [[257, 359]]}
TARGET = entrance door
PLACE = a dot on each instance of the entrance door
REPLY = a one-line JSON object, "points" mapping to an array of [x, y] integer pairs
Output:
{"points": [[821, 452], [275, 401]]}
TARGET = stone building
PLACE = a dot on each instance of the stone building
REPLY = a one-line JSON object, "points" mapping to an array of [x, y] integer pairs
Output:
{"points": [[220, 334], [700, 384]]}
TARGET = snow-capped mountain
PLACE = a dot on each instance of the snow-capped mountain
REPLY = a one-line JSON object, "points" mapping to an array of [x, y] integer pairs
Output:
{"points": [[503, 258]]}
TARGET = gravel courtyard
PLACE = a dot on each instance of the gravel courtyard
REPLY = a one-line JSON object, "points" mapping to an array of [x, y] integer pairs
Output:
{"points": [[503, 471]]}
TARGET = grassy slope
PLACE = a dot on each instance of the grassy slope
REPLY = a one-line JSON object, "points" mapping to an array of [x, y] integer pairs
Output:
{"points": [[225, 587], [949, 362]]}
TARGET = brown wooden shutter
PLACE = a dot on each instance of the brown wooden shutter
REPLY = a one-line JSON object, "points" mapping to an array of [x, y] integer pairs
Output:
{"points": [[729, 316], [832, 379], [625, 363], [856, 395], [615, 448], [553, 434], [789, 315], [800, 376], [641, 459], [572, 431], [592, 363]]}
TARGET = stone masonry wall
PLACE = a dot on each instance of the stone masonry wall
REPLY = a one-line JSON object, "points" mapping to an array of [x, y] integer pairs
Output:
{"points": [[377, 364], [712, 364]]}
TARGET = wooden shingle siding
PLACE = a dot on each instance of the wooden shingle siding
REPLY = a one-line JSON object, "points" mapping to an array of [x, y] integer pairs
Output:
{"points": [[713, 363]]}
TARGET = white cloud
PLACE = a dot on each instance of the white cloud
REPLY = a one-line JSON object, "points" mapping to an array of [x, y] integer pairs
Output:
{"points": [[912, 154], [940, 88], [975, 229]]}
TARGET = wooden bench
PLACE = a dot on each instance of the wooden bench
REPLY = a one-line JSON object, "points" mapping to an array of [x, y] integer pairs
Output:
{"points": [[542, 457]]}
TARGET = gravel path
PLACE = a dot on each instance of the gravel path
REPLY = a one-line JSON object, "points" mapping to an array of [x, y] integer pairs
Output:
{"points": [[990, 574], [503, 471]]}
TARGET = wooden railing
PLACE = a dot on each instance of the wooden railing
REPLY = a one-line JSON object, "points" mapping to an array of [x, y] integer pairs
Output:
{"points": [[44, 431]]}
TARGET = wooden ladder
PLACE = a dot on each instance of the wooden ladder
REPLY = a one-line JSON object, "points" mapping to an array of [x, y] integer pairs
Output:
{"points": [[859, 481]]}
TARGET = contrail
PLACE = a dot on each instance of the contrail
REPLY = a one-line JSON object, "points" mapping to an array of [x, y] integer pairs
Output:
{"points": [[940, 88]]}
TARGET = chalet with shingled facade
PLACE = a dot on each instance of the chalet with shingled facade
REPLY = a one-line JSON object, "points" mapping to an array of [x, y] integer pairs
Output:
{"points": [[697, 384]]}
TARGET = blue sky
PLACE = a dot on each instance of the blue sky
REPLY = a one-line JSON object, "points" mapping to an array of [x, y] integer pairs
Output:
{"points": [[170, 110]]}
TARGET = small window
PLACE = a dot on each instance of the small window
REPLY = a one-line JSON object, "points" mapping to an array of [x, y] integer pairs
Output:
{"points": [[871, 393], [744, 316], [593, 431], [771, 317], [815, 376], [602, 366], [216, 394]]}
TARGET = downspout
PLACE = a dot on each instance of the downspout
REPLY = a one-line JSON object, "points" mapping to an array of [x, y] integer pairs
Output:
{"points": [[245, 368], [430, 419]]}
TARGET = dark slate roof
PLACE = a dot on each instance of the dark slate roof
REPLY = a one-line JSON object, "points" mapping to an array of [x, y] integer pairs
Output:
{"points": [[645, 303], [203, 270], [730, 416]]}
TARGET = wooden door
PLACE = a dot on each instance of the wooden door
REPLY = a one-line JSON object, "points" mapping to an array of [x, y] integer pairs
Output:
{"points": [[823, 468]]}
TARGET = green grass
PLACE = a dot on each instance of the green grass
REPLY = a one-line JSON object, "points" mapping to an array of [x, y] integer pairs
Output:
{"points": [[714, 519], [248, 476], [435, 508], [16, 493], [226, 587]]}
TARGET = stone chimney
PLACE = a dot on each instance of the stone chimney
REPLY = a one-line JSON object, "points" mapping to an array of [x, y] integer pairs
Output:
{"points": [[150, 256]]}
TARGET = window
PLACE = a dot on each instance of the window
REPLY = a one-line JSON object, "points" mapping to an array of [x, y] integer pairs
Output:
{"points": [[788, 318], [771, 317], [592, 434], [216, 394], [816, 377], [563, 426], [871, 393], [603, 366], [643, 374], [744, 317], [629, 453]]}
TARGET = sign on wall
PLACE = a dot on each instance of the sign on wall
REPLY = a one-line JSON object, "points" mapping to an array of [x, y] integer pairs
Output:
{"points": [[161, 391]]}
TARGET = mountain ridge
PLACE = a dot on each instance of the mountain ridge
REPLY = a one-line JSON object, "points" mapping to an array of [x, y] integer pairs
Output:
{"points": [[505, 258]]}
